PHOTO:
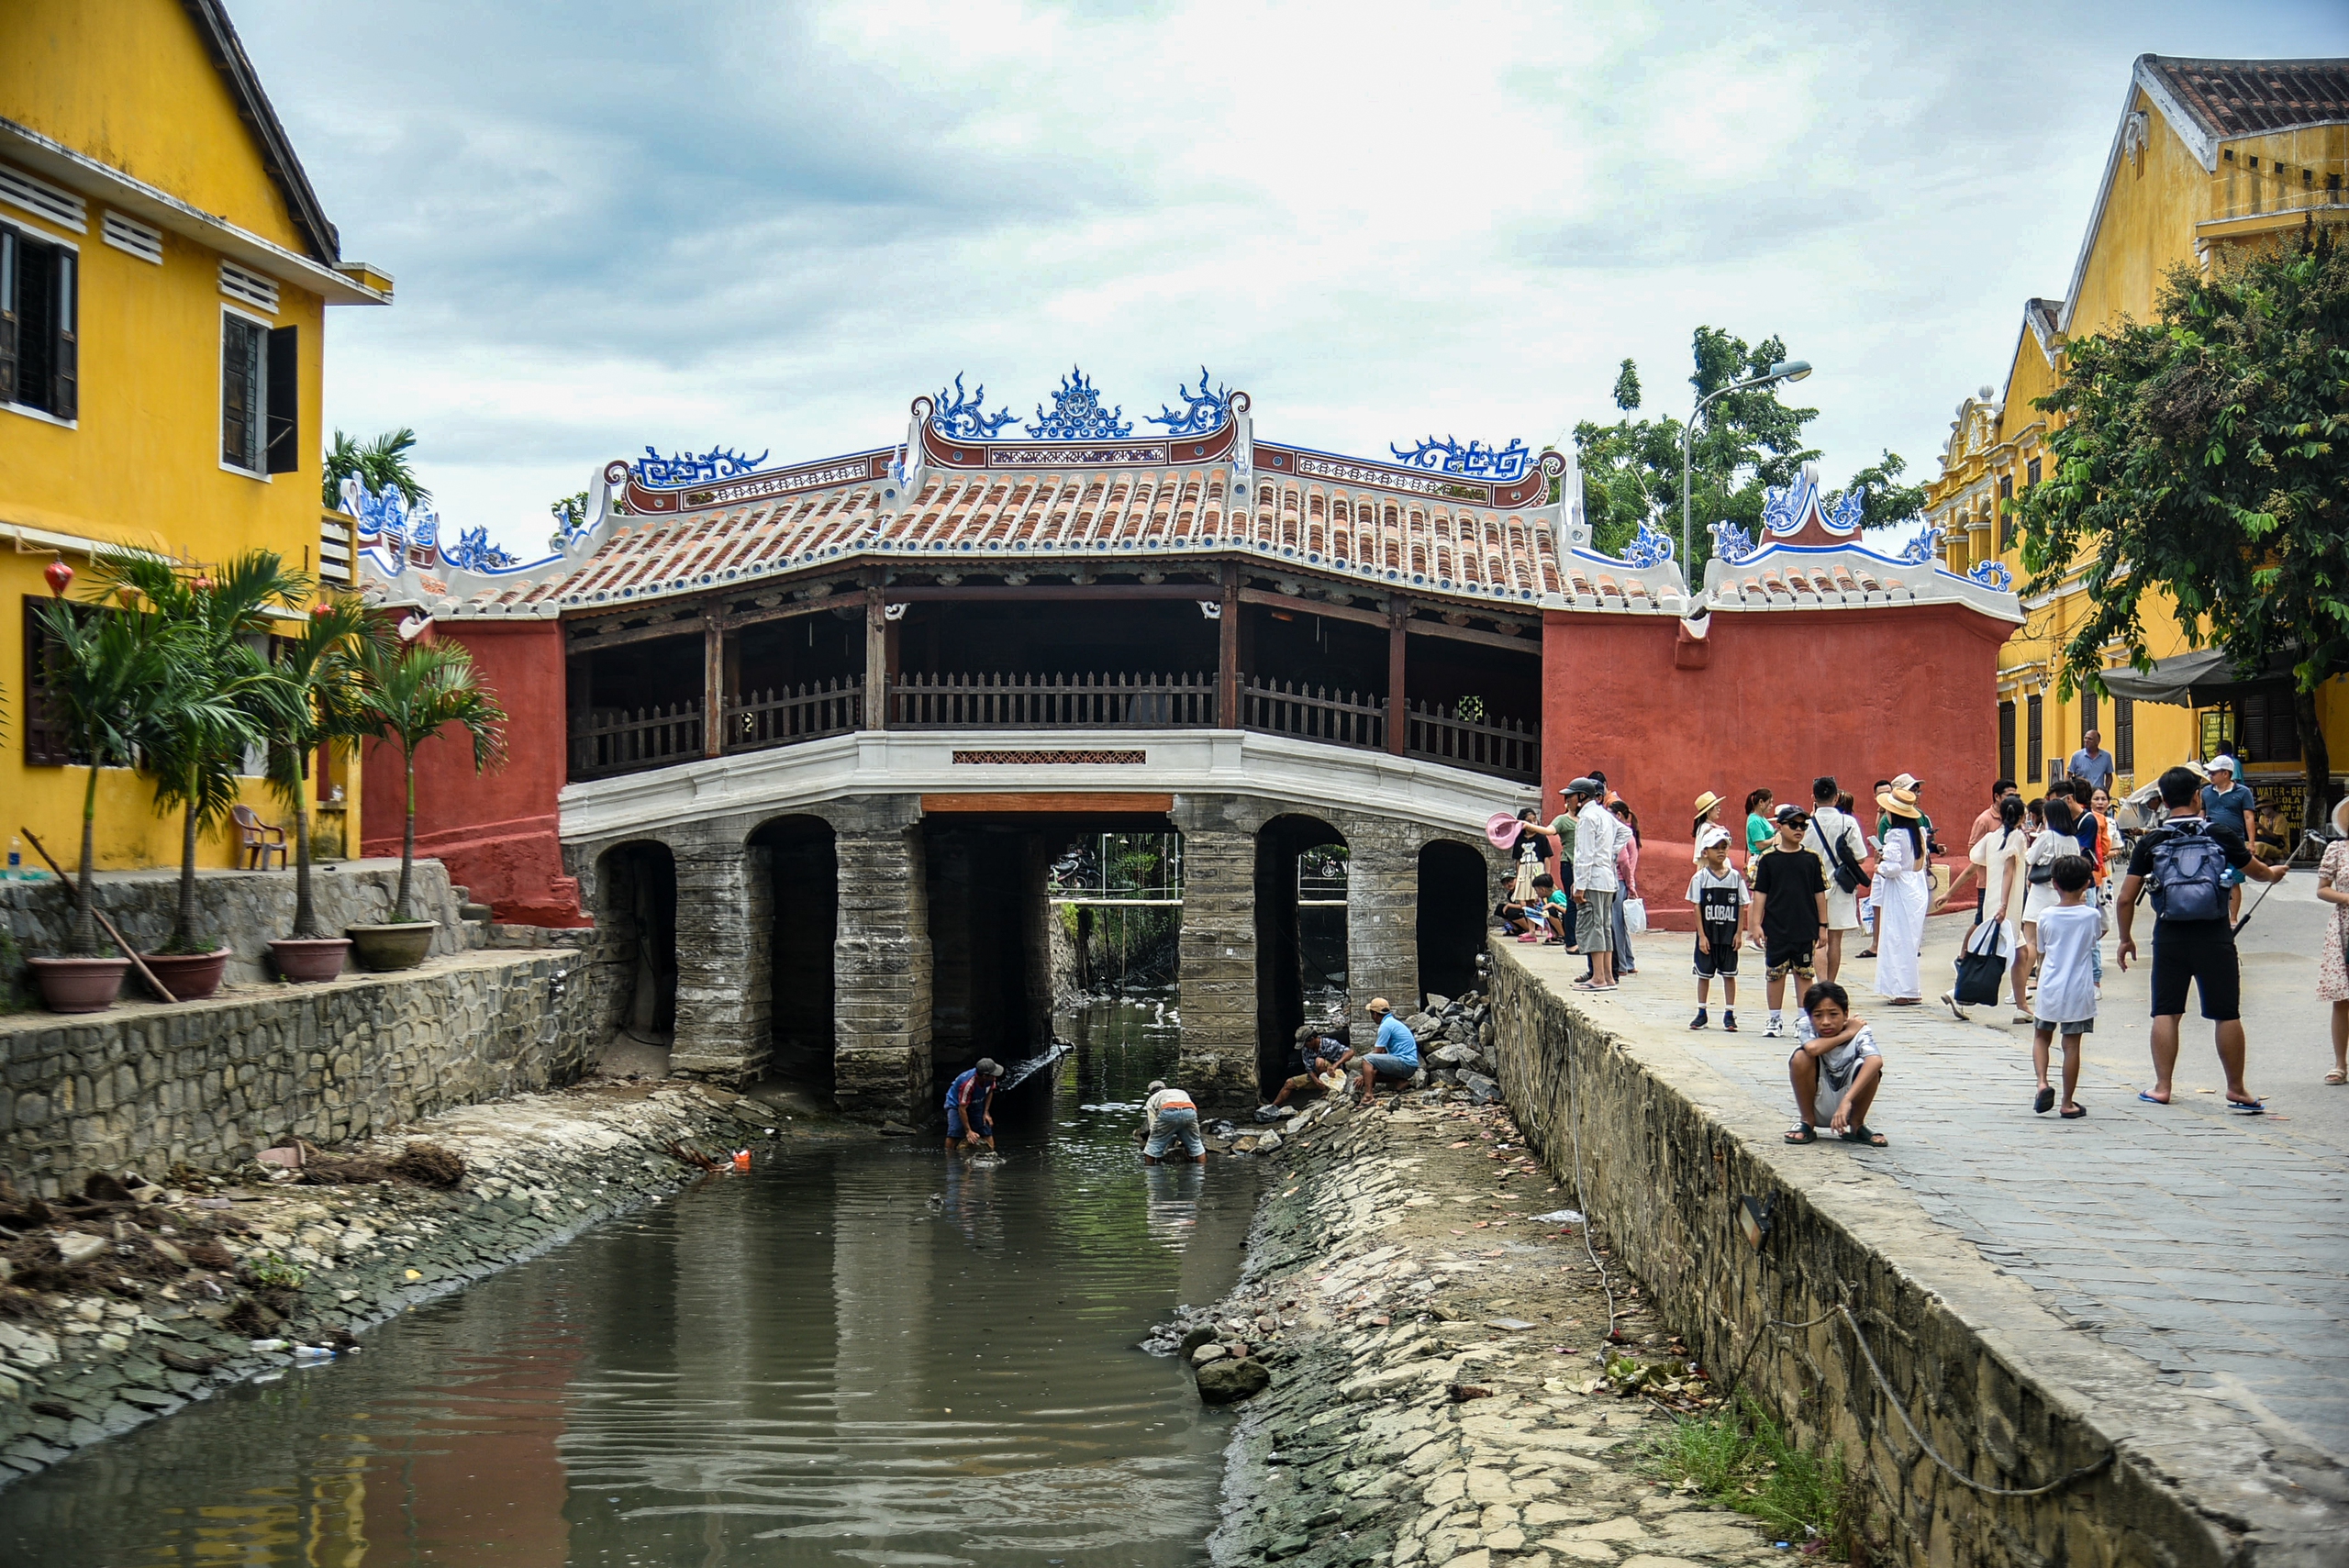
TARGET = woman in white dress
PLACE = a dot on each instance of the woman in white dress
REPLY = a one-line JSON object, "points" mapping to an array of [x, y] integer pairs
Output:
{"points": [[1903, 889], [2001, 854]]}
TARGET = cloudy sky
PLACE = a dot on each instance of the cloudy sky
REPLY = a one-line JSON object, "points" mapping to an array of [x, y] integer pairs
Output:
{"points": [[769, 226]]}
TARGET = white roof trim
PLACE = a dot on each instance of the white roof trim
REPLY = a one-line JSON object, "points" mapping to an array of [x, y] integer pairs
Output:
{"points": [[2181, 124], [142, 200]]}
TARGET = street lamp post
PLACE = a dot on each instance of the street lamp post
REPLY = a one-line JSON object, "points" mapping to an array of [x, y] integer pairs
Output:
{"points": [[1784, 370]]}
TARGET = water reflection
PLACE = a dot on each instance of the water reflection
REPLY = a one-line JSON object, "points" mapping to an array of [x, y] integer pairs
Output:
{"points": [[865, 1351]]}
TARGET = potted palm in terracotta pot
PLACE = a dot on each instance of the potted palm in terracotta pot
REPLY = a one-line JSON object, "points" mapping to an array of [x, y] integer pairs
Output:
{"points": [[323, 700], [411, 693], [195, 745], [108, 669]]}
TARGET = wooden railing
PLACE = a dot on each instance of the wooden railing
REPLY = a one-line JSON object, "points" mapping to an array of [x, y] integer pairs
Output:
{"points": [[1504, 747], [620, 740], [1053, 702], [1312, 713], [778, 717]]}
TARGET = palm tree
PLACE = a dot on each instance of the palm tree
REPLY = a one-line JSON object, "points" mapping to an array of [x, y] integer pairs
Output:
{"points": [[223, 690], [323, 701], [411, 695], [110, 672], [383, 461]]}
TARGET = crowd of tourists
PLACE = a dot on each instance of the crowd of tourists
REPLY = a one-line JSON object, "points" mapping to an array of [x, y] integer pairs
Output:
{"points": [[2053, 875]]}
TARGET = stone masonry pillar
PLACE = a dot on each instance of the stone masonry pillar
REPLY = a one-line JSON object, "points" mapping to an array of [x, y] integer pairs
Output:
{"points": [[724, 989], [1382, 915], [881, 963], [1218, 954]]}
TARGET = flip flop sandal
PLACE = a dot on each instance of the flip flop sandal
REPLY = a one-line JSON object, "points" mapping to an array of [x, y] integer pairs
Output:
{"points": [[1859, 1133], [2043, 1103], [1804, 1133], [2149, 1099], [2248, 1108], [2075, 1113]]}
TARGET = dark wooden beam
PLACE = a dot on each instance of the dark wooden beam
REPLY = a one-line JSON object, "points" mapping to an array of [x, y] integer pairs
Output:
{"points": [[1056, 802], [1531, 645], [1226, 653], [905, 594], [1313, 607], [1397, 716], [683, 626], [764, 613], [876, 660], [713, 688]]}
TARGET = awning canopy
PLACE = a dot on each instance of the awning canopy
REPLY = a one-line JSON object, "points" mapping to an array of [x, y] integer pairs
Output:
{"points": [[2204, 678]]}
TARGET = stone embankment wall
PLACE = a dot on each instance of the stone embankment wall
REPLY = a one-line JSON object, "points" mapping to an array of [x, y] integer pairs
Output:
{"points": [[150, 1085], [80, 1366], [1663, 1172]]}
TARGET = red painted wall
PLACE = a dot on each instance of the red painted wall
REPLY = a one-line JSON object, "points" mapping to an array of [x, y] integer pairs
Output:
{"points": [[495, 831], [1783, 696]]}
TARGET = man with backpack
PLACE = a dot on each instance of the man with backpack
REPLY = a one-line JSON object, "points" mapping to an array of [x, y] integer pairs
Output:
{"points": [[2186, 861]]}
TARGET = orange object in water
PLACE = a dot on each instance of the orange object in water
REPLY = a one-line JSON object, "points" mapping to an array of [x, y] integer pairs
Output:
{"points": [[742, 1159]]}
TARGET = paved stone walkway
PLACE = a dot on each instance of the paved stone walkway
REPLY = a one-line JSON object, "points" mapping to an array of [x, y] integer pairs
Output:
{"points": [[2212, 1245]]}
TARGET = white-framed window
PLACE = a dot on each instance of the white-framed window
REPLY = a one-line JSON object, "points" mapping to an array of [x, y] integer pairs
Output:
{"points": [[261, 401], [39, 345]]}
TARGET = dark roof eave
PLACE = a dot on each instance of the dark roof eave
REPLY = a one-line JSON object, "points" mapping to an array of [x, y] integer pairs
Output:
{"points": [[227, 51]]}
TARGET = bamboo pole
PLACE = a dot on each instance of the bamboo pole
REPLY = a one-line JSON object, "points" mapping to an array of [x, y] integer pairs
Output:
{"points": [[115, 937]]}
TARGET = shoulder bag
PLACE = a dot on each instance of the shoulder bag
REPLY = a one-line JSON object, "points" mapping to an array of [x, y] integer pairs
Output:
{"points": [[1849, 877], [1980, 967]]}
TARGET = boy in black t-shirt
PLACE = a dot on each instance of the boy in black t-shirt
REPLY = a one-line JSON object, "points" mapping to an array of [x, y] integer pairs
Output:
{"points": [[1789, 908], [1719, 893]]}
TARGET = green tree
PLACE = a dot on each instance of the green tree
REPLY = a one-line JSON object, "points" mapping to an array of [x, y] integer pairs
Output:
{"points": [[2200, 457], [1749, 442], [383, 461], [322, 703], [410, 695], [194, 738]]}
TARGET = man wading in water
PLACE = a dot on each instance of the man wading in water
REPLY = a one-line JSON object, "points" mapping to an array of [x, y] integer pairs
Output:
{"points": [[970, 1107]]}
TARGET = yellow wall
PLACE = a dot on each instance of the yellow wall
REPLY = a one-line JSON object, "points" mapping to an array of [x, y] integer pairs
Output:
{"points": [[2161, 210], [128, 82]]}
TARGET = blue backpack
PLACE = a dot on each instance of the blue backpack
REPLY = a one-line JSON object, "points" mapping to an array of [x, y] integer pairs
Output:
{"points": [[2189, 872]]}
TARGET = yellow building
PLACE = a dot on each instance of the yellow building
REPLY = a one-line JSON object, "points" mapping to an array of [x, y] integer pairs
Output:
{"points": [[164, 274], [2209, 155]]}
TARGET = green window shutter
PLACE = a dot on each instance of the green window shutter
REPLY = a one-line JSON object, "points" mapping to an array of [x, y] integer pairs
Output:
{"points": [[284, 400], [64, 370]]}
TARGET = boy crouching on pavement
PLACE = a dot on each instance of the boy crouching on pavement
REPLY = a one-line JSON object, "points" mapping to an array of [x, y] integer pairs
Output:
{"points": [[1836, 1069], [1721, 897], [2065, 1001]]}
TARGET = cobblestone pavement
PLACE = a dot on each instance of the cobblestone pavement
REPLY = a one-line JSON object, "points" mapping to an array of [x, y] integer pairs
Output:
{"points": [[2211, 1244]]}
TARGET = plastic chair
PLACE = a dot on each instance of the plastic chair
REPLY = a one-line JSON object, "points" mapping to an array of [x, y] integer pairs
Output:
{"points": [[260, 840]]}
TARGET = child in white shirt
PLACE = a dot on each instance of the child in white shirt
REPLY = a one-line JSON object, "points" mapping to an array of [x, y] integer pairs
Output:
{"points": [[1836, 1069], [2065, 1003]]}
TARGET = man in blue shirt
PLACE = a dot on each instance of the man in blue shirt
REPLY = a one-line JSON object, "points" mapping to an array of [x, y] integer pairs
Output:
{"points": [[1395, 1054], [2226, 803], [2092, 762], [970, 1105]]}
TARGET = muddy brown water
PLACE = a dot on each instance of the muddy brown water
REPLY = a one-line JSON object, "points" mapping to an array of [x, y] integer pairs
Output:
{"points": [[863, 1353]]}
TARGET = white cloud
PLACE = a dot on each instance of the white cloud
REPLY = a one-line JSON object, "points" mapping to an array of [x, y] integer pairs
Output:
{"points": [[771, 227]]}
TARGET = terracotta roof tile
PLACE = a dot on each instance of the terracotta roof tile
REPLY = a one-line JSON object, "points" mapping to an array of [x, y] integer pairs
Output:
{"points": [[2244, 97]]}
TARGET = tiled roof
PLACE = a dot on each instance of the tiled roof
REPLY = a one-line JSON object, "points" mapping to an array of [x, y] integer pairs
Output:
{"points": [[994, 520], [1790, 582], [2246, 97]]}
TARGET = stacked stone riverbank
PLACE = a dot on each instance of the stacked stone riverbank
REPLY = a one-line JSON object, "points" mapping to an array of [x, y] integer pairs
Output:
{"points": [[1435, 1354], [154, 1289]]}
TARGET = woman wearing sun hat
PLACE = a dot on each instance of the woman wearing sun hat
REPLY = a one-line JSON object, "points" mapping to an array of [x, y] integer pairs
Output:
{"points": [[2333, 963], [1903, 890], [1708, 814]]}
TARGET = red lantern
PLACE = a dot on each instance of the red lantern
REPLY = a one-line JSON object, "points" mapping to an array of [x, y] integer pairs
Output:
{"points": [[320, 612], [60, 575], [203, 584]]}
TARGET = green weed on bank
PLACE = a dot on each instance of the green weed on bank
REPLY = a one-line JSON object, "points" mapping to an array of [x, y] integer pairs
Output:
{"points": [[1737, 1456]]}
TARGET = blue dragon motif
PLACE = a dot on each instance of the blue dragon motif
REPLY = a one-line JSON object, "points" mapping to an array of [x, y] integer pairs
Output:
{"points": [[1077, 414], [1924, 548], [657, 473], [1992, 574], [1731, 543], [386, 523], [1848, 513], [965, 418], [1475, 460], [1783, 506], [1650, 546], [473, 552], [1206, 411]]}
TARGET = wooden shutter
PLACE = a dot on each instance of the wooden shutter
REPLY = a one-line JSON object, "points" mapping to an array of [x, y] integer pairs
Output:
{"points": [[2124, 735], [7, 316], [46, 745], [2035, 710], [64, 373], [2006, 739], [238, 369], [284, 400], [2087, 714]]}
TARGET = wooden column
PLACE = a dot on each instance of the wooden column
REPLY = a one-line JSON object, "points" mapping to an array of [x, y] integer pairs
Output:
{"points": [[1397, 731], [713, 688], [580, 701], [876, 660], [1227, 654]]}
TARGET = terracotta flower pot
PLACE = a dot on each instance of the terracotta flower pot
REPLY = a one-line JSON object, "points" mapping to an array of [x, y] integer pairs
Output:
{"points": [[79, 984], [401, 945], [188, 976], [308, 958]]}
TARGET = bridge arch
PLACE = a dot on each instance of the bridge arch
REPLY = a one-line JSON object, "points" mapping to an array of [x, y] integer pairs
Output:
{"points": [[1299, 935], [795, 895], [1453, 888], [635, 903]]}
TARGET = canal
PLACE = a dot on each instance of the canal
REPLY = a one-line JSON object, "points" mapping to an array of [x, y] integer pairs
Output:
{"points": [[864, 1352]]}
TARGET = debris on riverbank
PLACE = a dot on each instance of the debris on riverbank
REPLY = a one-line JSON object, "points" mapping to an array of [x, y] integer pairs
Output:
{"points": [[148, 1292], [1441, 1392]]}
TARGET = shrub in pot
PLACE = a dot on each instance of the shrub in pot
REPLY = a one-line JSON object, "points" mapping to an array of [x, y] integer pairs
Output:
{"points": [[321, 681]]}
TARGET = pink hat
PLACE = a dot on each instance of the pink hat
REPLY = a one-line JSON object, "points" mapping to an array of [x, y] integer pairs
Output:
{"points": [[1503, 829]]}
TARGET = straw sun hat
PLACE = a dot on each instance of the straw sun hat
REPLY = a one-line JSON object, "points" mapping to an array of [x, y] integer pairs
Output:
{"points": [[1898, 802]]}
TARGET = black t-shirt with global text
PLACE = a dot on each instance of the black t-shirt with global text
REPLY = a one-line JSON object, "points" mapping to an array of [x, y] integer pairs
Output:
{"points": [[1790, 880]]}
